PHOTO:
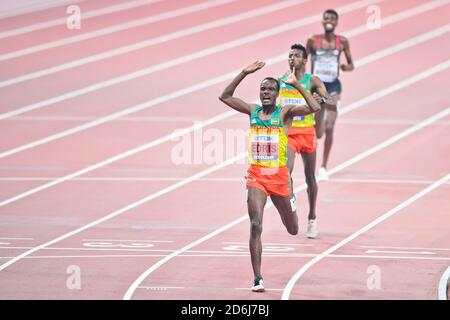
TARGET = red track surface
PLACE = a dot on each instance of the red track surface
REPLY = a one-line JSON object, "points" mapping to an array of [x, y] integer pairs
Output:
{"points": [[411, 249]]}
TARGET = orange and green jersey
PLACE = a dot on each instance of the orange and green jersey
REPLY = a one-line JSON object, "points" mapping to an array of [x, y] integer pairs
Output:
{"points": [[291, 96], [267, 140]]}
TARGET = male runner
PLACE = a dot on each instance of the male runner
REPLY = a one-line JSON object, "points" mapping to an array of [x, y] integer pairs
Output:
{"points": [[268, 174], [325, 50], [302, 136]]}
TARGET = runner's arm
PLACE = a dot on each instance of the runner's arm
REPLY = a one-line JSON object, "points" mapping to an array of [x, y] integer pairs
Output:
{"points": [[346, 47], [227, 94], [318, 86], [310, 45], [311, 104]]}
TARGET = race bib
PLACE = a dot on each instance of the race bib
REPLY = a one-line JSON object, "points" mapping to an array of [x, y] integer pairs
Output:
{"points": [[326, 68], [265, 147]]}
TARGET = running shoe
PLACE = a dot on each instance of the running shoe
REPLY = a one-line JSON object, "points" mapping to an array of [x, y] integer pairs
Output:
{"points": [[323, 174], [312, 229], [258, 285]]}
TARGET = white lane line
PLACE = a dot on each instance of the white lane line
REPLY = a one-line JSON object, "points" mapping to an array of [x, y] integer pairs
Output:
{"points": [[191, 57], [10, 238], [85, 15], [399, 85], [123, 240], [112, 29], [373, 122], [443, 285], [268, 255], [151, 42], [368, 59], [361, 156], [290, 285], [382, 181], [408, 248], [124, 209], [206, 179], [370, 251], [159, 288], [16, 8], [88, 249], [270, 244]]}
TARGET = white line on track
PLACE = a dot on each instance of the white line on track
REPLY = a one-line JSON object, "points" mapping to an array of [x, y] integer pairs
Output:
{"points": [[123, 240], [150, 42], [270, 244], [408, 248], [338, 168], [290, 285], [85, 15], [398, 252], [112, 29], [197, 55], [266, 255], [365, 122], [17, 8], [366, 60], [9, 238], [159, 288], [443, 285], [393, 88], [206, 179]]}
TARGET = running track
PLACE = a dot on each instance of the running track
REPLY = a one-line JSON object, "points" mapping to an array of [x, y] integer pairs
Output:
{"points": [[88, 180]]}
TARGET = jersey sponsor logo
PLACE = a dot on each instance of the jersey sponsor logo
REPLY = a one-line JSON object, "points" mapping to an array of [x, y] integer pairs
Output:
{"points": [[265, 138], [299, 118], [275, 121], [293, 101]]}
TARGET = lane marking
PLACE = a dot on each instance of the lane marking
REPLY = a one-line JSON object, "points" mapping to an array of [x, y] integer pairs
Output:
{"points": [[86, 15], [122, 240], [191, 57], [290, 285], [247, 255], [408, 248], [12, 238], [398, 252], [368, 59], [398, 86], [159, 288], [231, 179], [271, 244], [200, 175], [143, 120], [443, 285], [149, 43], [112, 29], [338, 168], [18, 8]]}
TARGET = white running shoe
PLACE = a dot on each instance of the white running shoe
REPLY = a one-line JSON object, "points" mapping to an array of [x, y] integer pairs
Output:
{"points": [[323, 174], [312, 229], [258, 285]]}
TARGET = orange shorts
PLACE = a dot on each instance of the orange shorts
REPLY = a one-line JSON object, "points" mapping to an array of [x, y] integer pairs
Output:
{"points": [[302, 139], [273, 181]]}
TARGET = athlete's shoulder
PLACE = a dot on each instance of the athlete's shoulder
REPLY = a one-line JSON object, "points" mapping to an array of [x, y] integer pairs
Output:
{"points": [[312, 39], [343, 39]]}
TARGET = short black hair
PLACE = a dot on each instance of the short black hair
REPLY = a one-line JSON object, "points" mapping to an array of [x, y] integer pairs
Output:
{"points": [[331, 11], [298, 46], [273, 79]]}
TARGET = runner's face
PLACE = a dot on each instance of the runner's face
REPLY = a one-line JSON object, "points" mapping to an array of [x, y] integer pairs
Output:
{"points": [[268, 92], [296, 59], [329, 22]]}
